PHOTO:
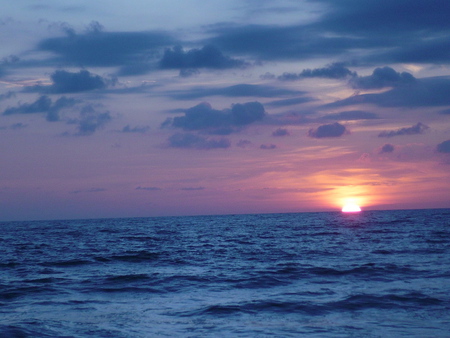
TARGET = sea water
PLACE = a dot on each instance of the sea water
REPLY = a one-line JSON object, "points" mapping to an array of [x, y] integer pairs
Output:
{"points": [[368, 274]]}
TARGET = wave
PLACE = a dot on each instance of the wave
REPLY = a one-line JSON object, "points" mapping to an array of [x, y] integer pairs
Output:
{"points": [[135, 256], [127, 278], [70, 262], [367, 301], [16, 292], [352, 303]]}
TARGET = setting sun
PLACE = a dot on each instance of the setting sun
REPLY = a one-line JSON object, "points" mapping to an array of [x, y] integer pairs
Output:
{"points": [[351, 207]]}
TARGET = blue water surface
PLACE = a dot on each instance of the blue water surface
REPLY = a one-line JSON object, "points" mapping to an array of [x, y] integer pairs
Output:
{"points": [[368, 274]]}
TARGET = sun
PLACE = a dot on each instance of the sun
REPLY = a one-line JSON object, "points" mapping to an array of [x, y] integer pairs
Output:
{"points": [[351, 207]]}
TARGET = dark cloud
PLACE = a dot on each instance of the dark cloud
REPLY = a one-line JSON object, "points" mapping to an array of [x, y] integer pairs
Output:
{"points": [[105, 49], [43, 105], [61, 103], [204, 117], [268, 146], [246, 113], [435, 50], [423, 92], [336, 70], [67, 82], [387, 148], [373, 31], [206, 57], [185, 140], [352, 115], [7, 95], [137, 129], [192, 188], [280, 132], [384, 18], [148, 188], [418, 128], [90, 120], [444, 147], [240, 90], [328, 130], [274, 42], [413, 31], [382, 77], [445, 112]]}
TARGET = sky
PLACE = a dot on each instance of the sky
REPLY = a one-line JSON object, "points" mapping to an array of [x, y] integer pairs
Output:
{"points": [[188, 107]]}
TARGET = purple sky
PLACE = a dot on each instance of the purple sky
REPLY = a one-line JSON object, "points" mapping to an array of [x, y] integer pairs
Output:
{"points": [[193, 107]]}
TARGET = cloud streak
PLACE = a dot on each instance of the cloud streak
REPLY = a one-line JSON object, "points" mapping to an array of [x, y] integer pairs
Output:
{"points": [[192, 141], [418, 128], [335, 70]]}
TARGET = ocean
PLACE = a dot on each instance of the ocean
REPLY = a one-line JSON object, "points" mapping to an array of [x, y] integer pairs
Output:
{"points": [[330, 274]]}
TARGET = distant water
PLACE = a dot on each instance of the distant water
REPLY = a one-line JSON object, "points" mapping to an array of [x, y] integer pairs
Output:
{"points": [[372, 274]]}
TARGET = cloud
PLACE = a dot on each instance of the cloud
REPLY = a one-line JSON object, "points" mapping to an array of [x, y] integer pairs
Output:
{"points": [[268, 146], [384, 18], [17, 126], [418, 128], [192, 188], [280, 132], [371, 31], [431, 92], [204, 117], [243, 143], [246, 113], [6, 62], [67, 82], [61, 103], [335, 70], [240, 90], [328, 130], [43, 105], [206, 57], [352, 115], [444, 147], [382, 77], [90, 120], [7, 95], [432, 50], [148, 188], [92, 190], [105, 49], [275, 42], [387, 148], [137, 129], [186, 140]]}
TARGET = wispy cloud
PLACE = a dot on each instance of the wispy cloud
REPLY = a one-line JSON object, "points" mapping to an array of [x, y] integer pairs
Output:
{"points": [[418, 128]]}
